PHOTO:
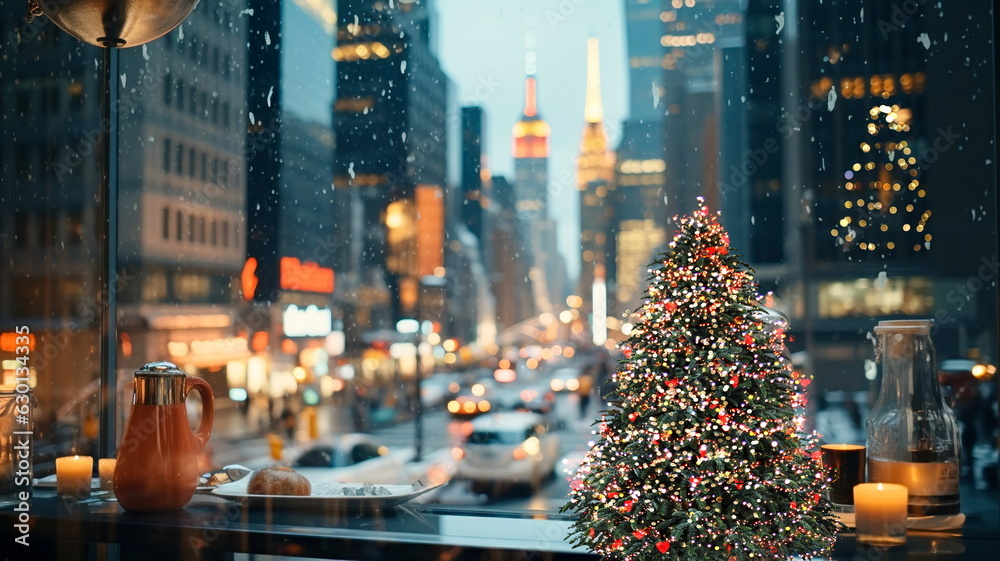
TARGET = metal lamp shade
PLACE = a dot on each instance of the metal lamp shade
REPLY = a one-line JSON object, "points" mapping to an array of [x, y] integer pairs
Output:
{"points": [[118, 23]]}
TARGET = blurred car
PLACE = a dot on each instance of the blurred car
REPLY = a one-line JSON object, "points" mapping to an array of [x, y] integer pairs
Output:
{"points": [[467, 405], [357, 457], [536, 398], [505, 450], [439, 388], [472, 402], [565, 380]]}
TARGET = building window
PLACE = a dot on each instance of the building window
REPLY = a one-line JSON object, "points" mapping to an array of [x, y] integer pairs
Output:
{"points": [[22, 221], [201, 230], [190, 228], [214, 239], [166, 223], [74, 226], [180, 226], [203, 167], [179, 153], [168, 88], [167, 155], [191, 170], [225, 233], [47, 230], [180, 94]]}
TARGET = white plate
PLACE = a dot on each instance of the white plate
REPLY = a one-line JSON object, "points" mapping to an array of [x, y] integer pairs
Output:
{"points": [[952, 522], [49, 482], [326, 494]]}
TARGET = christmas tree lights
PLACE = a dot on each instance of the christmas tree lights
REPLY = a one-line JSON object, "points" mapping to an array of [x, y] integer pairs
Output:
{"points": [[702, 454]]}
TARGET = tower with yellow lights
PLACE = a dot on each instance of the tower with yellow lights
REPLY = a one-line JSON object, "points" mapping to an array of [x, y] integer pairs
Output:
{"points": [[595, 173]]}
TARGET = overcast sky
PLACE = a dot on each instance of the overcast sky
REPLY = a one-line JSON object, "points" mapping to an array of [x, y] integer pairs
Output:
{"points": [[481, 45]]}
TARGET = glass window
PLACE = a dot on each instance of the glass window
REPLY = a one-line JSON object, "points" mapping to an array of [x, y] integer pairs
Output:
{"points": [[415, 211]]}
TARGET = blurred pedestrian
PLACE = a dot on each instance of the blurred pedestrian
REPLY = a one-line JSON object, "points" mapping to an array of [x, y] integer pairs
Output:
{"points": [[584, 391]]}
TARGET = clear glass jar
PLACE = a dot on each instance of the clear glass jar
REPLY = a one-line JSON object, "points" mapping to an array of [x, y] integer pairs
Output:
{"points": [[913, 436]]}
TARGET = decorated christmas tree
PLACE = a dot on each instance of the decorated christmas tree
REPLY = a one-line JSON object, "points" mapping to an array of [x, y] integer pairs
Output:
{"points": [[702, 453]]}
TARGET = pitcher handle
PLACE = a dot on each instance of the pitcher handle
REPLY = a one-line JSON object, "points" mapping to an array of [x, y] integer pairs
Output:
{"points": [[207, 406]]}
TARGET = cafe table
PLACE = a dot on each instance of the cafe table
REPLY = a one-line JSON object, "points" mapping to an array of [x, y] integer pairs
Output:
{"points": [[211, 527]]}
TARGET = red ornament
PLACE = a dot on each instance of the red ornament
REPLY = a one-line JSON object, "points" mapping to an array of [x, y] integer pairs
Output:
{"points": [[663, 546], [702, 453], [592, 533], [793, 505], [613, 495], [711, 250], [670, 306], [672, 383], [694, 481], [815, 497], [639, 534], [633, 416], [627, 506], [723, 418], [616, 544], [627, 352], [734, 380], [748, 339]]}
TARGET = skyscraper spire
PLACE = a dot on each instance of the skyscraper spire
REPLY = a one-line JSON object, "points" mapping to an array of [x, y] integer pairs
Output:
{"points": [[530, 86], [593, 111]]}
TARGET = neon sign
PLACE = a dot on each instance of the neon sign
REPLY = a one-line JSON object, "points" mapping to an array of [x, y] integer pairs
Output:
{"points": [[305, 277]]}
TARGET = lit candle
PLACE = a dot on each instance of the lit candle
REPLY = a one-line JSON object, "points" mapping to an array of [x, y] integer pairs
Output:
{"points": [[880, 513], [73, 476], [106, 469], [846, 463]]}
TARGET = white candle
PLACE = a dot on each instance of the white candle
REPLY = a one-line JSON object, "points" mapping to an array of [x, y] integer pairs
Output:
{"points": [[73, 476], [880, 513], [106, 469]]}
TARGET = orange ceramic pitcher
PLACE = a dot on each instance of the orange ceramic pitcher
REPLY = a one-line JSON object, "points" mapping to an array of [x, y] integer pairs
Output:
{"points": [[157, 466]]}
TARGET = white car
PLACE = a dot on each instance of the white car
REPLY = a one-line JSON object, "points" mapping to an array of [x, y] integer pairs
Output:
{"points": [[507, 449], [361, 458]]}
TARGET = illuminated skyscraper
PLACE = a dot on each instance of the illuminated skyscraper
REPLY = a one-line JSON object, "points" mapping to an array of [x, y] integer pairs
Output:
{"points": [[595, 173], [531, 171], [641, 211], [390, 162], [531, 153]]}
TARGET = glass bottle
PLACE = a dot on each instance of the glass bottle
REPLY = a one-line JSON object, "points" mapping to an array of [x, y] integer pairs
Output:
{"points": [[913, 436]]}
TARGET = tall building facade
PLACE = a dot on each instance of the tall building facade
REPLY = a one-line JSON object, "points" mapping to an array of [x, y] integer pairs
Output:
{"points": [[595, 180], [882, 146], [182, 186], [641, 201], [531, 182], [390, 166], [473, 198], [188, 239], [289, 207]]}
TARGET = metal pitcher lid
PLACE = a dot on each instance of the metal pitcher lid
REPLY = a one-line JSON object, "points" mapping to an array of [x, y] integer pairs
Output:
{"points": [[161, 368], [905, 325]]}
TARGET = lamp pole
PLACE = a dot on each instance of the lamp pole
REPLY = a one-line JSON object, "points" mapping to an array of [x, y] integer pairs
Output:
{"points": [[109, 257]]}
